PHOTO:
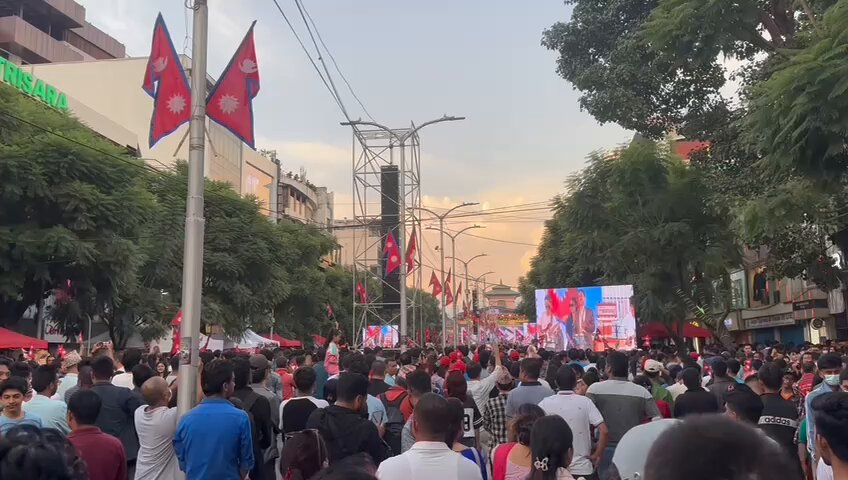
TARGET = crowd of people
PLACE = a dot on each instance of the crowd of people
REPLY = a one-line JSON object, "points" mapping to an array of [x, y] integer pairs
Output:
{"points": [[489, 412]]}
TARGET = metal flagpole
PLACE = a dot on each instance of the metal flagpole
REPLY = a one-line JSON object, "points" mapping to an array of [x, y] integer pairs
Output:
{"points": [[456, 338], [194, 223]]}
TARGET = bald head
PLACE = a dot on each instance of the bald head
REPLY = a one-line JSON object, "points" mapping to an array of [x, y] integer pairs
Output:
{"points": [[156, 392]]}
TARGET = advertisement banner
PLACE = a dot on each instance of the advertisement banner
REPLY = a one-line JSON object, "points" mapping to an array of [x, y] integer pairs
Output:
{"points": [[586, 317]]}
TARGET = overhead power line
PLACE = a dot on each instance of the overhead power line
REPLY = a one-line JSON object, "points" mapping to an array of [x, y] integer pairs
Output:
{"points": [[335, 64], [499, 240], [311, 60]]}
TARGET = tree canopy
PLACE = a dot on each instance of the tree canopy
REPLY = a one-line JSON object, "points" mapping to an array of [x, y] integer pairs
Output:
{"points": [[777, 161], [102, 233], [641, 217]]}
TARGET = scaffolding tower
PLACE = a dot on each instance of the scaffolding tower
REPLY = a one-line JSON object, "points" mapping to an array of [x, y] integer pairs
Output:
{"points": [[373, 151]]}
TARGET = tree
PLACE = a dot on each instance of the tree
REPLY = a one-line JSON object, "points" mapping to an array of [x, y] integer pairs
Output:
{"points": [[73, 209], [620, 78], [776, 159], [797, 119], [644, 219]]}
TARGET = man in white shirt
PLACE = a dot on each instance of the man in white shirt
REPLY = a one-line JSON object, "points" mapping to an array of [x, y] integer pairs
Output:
{"points": [[678, 388], [430, 457], [479, 388], [129, 359], [581, 415], [156, 425]]}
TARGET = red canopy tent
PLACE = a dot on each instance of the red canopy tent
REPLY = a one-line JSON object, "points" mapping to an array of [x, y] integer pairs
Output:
{"points": [[11, 340], [319, 340], [284, 342], [658, 330]]}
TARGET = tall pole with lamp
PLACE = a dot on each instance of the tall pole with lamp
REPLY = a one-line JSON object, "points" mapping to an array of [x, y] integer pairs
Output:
{"points": [[453, 268], [441, 229], [467, 289], [194, 222]]}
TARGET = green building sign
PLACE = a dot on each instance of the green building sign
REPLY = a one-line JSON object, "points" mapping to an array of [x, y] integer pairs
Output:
{"points": [[25, 82]]}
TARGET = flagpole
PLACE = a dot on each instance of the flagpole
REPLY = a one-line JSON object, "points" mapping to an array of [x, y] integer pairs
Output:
{"points": [[194, 223]]}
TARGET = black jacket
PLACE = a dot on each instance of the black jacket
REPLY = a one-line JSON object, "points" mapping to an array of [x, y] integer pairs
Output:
{"points": [[117, 415], [694, 402], [347, 433]]}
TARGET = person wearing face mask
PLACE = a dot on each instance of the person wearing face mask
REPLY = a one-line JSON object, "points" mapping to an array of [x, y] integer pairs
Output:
{"points": [[829, 366]]}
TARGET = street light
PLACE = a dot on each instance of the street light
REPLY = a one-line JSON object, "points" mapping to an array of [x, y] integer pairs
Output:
{"points": [[453, 236], [442, 255], [467, 290], [465, 264], [401, 140]]}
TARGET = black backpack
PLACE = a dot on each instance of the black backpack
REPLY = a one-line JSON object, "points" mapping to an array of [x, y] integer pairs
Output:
{"points": [[394, 421]]}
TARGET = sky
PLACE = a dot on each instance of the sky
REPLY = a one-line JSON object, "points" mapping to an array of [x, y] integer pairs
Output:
{"points": [[524, 133]]}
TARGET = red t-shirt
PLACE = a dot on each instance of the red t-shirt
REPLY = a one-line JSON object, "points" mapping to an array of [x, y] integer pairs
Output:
{"points": [[288, 383], [103, 454]]}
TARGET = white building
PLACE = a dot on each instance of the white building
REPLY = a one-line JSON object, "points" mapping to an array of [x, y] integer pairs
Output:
{"points": [[107, 96]]}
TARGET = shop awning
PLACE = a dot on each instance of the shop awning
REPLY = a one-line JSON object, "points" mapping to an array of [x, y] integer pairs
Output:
{"points": [[284, 342], [12, 340], [658, 330]]}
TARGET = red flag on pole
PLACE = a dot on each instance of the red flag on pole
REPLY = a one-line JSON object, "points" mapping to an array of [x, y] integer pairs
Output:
{"points": [[165, 81], [230, 103], [458, 291], [362, 293], [392, 253], [436, 284], [410, 252]]}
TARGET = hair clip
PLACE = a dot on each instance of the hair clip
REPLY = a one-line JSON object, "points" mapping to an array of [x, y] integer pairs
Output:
{"points": [[541, 464]]}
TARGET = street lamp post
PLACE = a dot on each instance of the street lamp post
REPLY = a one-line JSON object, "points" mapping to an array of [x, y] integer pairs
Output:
{"points": [[401, 141], [442, 256], [453, 268], [467, 290]]}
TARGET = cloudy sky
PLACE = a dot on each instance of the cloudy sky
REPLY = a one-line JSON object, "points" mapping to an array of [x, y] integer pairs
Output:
{"points": [[409, 62]]}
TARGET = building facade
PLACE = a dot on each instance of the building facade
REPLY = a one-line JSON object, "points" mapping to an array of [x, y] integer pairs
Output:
{"points": [[106, 95], [502, 297], [787, 310], [351, 237], [301, 201], [46, 31]]}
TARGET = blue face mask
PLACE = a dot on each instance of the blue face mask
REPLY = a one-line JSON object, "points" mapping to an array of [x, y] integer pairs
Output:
{"points": [[832, 380]]}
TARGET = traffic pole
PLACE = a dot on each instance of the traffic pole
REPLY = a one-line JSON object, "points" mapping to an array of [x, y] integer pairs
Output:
{"points": [[195, 222]]}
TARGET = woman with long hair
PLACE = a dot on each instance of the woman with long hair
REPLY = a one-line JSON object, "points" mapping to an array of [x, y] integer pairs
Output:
{"points": [[162, 368], [457, 416], [512, 460], [457, 387], [304, 454], [551, 449]]}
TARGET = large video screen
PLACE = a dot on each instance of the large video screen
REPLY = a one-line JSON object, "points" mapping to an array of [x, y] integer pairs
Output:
{"points": [[385, 336], [586, 317]]}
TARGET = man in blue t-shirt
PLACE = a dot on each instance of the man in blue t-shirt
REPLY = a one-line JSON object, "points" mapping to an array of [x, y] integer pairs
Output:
{"points": [[213, 440]]}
